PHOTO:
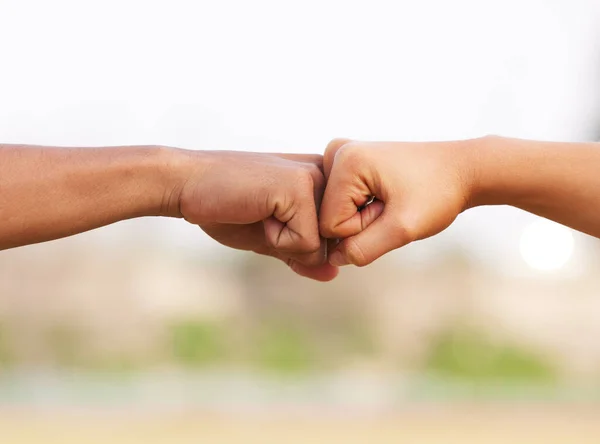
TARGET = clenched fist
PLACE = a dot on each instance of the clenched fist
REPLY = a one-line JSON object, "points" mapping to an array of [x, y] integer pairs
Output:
{"points": [[269, 203], [265, 203], [419, 189]]}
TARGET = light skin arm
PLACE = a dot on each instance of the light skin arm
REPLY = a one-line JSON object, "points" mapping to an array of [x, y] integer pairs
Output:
{"points": [[266, 203], [422, 187], [558, 181]]}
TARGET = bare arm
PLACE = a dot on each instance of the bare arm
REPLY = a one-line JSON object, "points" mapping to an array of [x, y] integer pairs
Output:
{"points": [[422, 187], [559, 181], [266, 203], [48, 193]]}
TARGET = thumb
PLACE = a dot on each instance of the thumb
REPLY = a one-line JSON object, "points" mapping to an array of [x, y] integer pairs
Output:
{"points": [[346, 192], [385, 234]]}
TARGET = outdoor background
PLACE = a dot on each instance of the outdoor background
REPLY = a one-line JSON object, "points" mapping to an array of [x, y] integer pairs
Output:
{"points": [[148, 331]]}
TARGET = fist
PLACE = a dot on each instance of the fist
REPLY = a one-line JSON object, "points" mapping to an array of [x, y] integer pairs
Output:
{"points": [[265, 203], [418, 190]]}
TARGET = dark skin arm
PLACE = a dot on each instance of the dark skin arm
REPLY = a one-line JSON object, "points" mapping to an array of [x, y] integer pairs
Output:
{"points": [[266, 203]]}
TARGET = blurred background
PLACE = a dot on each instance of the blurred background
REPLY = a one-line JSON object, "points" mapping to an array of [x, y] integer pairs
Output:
{"points": [[148, 331]]}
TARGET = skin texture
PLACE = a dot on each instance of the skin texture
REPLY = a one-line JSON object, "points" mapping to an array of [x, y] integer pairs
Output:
{"points": [[421, 188], [266, 203], [285, 206]]}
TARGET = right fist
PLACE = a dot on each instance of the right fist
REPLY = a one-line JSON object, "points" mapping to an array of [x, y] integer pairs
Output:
{"points": [[265, 203]]}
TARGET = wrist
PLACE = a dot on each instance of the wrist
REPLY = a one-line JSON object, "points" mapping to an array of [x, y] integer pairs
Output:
{"points": [[487, 168], [173, 167]]}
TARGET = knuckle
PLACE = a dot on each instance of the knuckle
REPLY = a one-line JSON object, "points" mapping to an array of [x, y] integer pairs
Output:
{"points": [[327, 229], [313, 259], [336, 143], [303, 179], [310, 244], [304, 185], [351, 153], [316, 174], [319, 182]]}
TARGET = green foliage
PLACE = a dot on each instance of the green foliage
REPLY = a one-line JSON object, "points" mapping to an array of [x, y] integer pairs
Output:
{"points": [[283, 348], [195, 343], [6, 355], [359, 340], [470, 356], [277, 346]]}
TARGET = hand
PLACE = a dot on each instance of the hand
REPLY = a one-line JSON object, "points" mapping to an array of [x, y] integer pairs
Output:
{"points": [[419, 189], [265, 203]]}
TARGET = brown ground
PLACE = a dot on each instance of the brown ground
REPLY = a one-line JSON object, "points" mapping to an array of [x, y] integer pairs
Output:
{"points": [[424, 425]]}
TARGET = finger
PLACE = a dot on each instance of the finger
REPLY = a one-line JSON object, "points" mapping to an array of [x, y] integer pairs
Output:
{"points": [[319, 183], [294, 226], [359, 222], [319, 257], [345, 193], [330, 152], [383, 235], [323, 273], [313, 259], [313, 163]]}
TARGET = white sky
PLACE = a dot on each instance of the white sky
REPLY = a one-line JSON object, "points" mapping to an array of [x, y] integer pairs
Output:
{"points": [[289, 76]]}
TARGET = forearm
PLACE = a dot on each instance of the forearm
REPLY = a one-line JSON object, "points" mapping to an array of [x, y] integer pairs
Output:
{"points": [[48, 193], [559, 181]]}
